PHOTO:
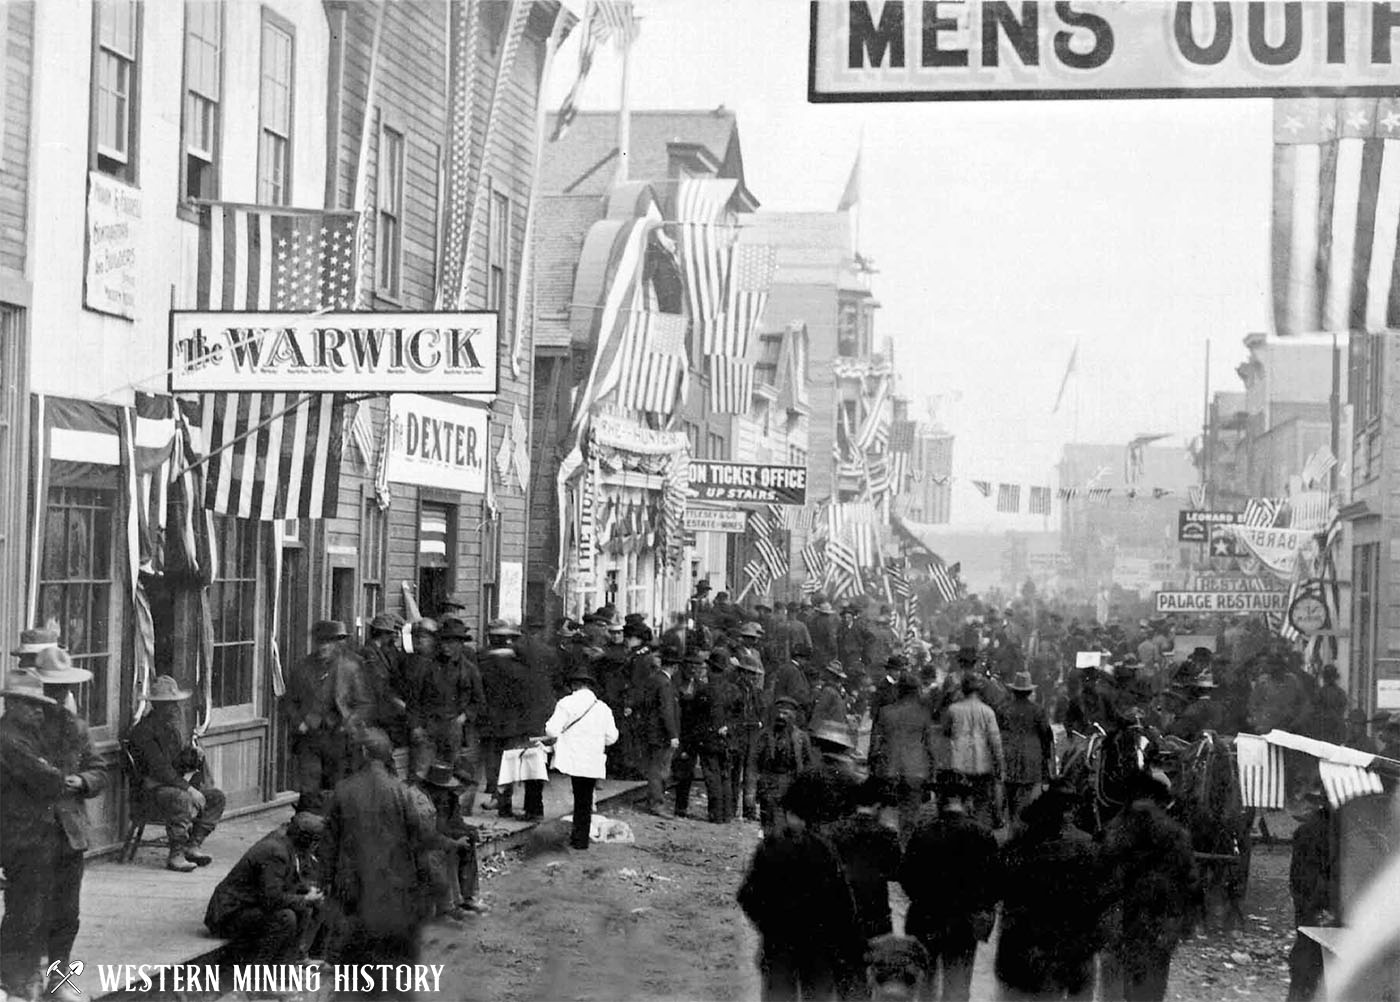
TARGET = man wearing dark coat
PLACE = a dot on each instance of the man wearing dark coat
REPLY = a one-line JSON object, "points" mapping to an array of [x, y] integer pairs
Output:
{"points": [[1052, 903], [190, 808], [702, 744], [1202, 714], [881, 642], [825, 631], [869, 852], [377, 867], [1028, 744], [850, 641], [951, 872], [797, 897], [326, 705], [517, 702], [745, 714], [790, 679], [1155, 889], [828, 696], [902, 744], [267, 904], [657, 715], [383, 667], [784, 751], [47, 769], [445, 700], [1310, 886]]}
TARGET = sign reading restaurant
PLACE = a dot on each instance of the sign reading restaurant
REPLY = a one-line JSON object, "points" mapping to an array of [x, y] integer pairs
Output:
{"points": [[340, 352], [765, 482], [1227, 602], [900, 50]]}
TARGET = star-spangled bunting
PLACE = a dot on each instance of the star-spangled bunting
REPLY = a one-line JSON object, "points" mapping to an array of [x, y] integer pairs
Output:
{"points": [[749, 278]]}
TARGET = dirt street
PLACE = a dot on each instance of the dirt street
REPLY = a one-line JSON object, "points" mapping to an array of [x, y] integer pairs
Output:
{"points": [[657, 920]]}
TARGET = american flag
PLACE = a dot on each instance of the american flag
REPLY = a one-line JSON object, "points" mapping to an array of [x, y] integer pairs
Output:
{"points": [[1336, 214], [1262, 512], [1319, 464], [1197, 494], [877, 476], [875, 428], [814, 561], [945, 579], [771, 547], [898, 580], [731, 385], [616, 21], [1067, 493], [1009, 498], [1100, 495], [153, 447], [749, 278], [984, 487], [603, 20], [704, 253], [793, 518], [702, 200], [274, 455], [653, 361], [1039, 501], [758, 574], [842, 569]]}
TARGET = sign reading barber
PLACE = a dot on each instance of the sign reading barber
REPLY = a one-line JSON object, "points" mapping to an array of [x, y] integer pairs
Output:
{"points": [[901, 50], [748, 482], [438, 443], [333, 352]]}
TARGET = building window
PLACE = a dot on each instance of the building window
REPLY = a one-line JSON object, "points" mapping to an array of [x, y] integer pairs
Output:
{"points": [[437, 533], [796, 456], [115, 87], [692, 432], [389, 233], [233, 611], [275, 112], [1365, 610], [204, 30], [372, 552], [498, 265], [76, 590], [714, 446]]}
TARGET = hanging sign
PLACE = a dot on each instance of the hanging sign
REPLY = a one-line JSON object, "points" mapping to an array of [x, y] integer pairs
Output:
{"points": [[1237, 602], [713, 481], [389, 352], [437, 443], [113, 224], [1276, 548], [715, 519], [899, 50], [1194, 526]]}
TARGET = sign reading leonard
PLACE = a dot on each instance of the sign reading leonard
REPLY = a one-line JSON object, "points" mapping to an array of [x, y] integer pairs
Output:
{"points": [[333, 352], [748, 482], [437, 443], [1194, 526]]}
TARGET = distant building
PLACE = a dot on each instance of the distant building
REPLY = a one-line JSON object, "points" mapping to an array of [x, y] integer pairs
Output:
{"points": [[931, 492]]}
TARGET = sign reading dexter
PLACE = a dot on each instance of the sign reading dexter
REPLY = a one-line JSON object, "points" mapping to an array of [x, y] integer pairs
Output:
{"points": [[748, 482], [341, 352], [899, 50], [1222, 601], [437, 443]]}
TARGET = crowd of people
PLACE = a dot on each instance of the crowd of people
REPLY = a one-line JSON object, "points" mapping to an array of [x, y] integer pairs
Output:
{"points": [[814, 721]]}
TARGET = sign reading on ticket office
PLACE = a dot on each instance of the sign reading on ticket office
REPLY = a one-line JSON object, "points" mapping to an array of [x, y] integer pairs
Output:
{"points": [[340, 352], [738, 482], [900, 50], [1222, 601]]}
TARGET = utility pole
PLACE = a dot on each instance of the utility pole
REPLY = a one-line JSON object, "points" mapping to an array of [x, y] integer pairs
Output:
{"points": [[1206, 436]]}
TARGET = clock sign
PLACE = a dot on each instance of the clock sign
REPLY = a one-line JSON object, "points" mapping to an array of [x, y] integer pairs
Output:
{"points": [[1307, 615]]}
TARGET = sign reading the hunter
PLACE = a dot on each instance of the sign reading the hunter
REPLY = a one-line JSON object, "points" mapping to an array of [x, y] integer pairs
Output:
{"points": [[899, 50], [748, 482], [341, 352]]}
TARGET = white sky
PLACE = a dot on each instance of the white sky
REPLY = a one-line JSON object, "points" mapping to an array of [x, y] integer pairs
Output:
{"points": [[1003, 233]]}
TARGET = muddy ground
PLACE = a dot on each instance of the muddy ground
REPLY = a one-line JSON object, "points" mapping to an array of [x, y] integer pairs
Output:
{"points": [[657, 920]]}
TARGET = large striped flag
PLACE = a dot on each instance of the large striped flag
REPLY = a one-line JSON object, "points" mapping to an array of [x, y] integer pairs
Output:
{"points": [[273, 455], [750, 276], [1039, 501], [945, 579], [875, 428], [653, 361], [1009, 498], [731, 385], [1336, 214], [153, 447], [771, 547]]}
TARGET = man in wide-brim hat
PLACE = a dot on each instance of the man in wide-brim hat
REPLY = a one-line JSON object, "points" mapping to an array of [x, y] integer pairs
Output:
{"points": [[456, 870], [581, 728], [50, 770], [326, 705], [1202, 714], [169, 770], [1028, 744]]}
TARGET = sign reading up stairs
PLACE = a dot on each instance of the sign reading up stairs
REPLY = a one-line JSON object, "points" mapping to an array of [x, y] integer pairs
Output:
{"points": [[387, 352], [740, 482]]}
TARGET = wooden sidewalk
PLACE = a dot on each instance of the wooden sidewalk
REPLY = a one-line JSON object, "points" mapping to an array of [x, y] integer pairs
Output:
{"points": [[139, 913]]}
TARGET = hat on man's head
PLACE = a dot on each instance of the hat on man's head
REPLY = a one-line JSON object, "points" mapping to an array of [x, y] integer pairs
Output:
{"points": [[633, 628], [762, 607], [702, 586], [328, 630], [801, 651], [24, 683], [1022, 682], [386, 622], [825, 608], [590, 618], [582, 674], [501, 628], [1205, 680], [751, 629], [376, 746], [454, 629], [55, 667], [166, 690], [834, 668], [306, 826], [425, 625], [751, 662], [453, 602], [34, 641], [835, 732], [785, 701], [439, 774], [695, 656]]}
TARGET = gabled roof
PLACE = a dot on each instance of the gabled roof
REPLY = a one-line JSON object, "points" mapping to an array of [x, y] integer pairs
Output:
{"points": [[584, 161]]}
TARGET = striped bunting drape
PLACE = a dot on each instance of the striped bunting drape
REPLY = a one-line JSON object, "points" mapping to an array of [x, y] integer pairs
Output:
{"points": [[1260, 767], [653, 361], [273, 455]]}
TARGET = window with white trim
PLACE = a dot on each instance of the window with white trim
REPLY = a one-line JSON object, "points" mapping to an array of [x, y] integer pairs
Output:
{"points": [[275, 112], [498, 251], [389, 233], [204, 31], [115, 87], [233, 611]]}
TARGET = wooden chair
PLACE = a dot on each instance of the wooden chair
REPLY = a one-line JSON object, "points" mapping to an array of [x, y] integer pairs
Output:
{"points": [[139, 812]]}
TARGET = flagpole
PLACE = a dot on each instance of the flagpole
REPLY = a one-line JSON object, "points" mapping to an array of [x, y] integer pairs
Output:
{"points": [[1205, 434], [624, 111]]}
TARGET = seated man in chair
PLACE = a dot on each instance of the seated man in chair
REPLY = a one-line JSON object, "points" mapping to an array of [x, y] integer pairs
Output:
{"points": [[165, 763]]}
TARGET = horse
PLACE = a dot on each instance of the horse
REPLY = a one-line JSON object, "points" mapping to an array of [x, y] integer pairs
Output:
{"points": [[1100, 767], [1208, 803]]}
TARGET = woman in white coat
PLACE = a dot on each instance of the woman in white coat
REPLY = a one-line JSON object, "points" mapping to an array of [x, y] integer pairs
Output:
{"points": [[581, 726]]}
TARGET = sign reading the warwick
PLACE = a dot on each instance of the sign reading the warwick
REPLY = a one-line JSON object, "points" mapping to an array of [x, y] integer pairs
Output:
{"points": [[333, 352], [437, 443], [899, 50], [748, 482]]}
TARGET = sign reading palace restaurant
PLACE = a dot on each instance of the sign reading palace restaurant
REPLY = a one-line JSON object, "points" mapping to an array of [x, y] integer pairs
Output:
{"points": [[1222, 601], [711, 481], [437, 443], [899, 50], [333, 352]]}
